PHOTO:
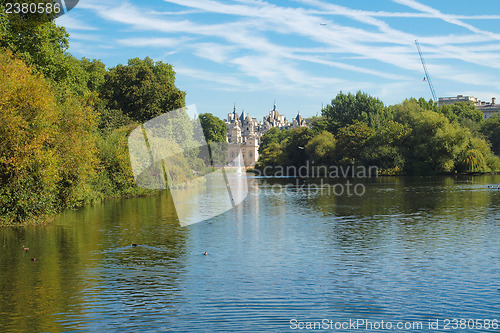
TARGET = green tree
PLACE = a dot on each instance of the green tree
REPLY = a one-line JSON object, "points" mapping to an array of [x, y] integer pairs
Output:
{"points": [[214, 130], [475, 157], [272, 156], [491, 129], [274, 135], [434, 143], [427, 105], [384, 148], [96, 73], [347, 109], [321, 148], [143, 89], [465, 113], [36, 40], [318, 124], [294, 146], [352, 141]]}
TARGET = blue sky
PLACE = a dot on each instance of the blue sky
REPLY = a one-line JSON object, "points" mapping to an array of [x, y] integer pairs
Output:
{"points": [[300, 53]]}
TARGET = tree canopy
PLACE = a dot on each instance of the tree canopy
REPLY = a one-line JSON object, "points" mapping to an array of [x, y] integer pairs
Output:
{"points": [[142, 89], [63, 139], [345, 109], [415, 137], [214, 129]]}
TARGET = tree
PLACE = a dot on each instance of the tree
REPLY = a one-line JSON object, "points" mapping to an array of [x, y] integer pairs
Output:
{"points": [[434, 144], [321, 148], [271, 156], [214, 129], [318, 124], [475, 157], [352, 141], [37, 40], [347, 109], [384, 148], [294, 146], [28, 155], [491, 129], [465, 113], [143, 89], [274, 135], [96, 73]]}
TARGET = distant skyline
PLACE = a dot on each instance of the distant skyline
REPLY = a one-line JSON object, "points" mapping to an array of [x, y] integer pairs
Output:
{"points": [[298, 53]]}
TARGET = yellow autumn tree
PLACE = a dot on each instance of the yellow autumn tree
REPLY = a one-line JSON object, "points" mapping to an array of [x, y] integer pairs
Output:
{"points": [[29, 170], [47, 146]]}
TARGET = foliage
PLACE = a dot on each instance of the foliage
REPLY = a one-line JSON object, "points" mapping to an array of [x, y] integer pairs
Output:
{"points": [[434, 144], [28, 154], [472, 158], [426, 105], [111, 119], [383, 149], [143, 89], [294, 146], [318, 124], [214, 129], [271, 156], [115, 176], [47, 150], [36, 40], [415, 137], [321, 148], [465, 113], [274, 135], [352, 141], [347, 109], [76, 144], [491, 129]]}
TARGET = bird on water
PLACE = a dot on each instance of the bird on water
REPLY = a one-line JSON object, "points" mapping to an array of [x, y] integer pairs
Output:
{"points": [[205, 253]]}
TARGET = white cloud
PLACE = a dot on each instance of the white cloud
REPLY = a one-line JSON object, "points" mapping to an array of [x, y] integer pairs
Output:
{"points": [[447, 18], [154, 42], [72, 23], [267, 46]]}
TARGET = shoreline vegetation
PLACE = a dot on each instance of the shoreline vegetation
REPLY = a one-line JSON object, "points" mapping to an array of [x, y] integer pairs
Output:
{"points": [[413, 138], [65, 123]]}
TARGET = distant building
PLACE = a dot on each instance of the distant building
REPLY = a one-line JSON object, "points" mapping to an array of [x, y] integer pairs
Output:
{"points": [[488, 108], [244, 132]]}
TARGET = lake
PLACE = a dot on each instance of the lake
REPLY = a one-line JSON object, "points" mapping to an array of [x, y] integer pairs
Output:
{"points": [[409, 251]]}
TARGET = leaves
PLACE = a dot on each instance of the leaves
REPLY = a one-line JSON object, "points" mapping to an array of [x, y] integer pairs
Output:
{"points": [[143, 89], [415, 137]]}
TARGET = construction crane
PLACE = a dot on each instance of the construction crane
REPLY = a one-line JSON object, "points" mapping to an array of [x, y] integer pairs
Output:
{"points": [[427, 77]]}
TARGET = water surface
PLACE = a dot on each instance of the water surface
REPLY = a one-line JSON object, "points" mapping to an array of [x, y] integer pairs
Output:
{"points": [[409, 249]]}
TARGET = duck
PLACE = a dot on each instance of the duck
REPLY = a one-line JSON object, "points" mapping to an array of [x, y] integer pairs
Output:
{"points": [[205, 254], [26, 249]]}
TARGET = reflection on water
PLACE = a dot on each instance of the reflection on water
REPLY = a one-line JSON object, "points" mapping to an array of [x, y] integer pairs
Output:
{"points": [[409, 249]]}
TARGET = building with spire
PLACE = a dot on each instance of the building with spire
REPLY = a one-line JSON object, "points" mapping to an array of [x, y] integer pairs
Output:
{"points": [[244, 132]]}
